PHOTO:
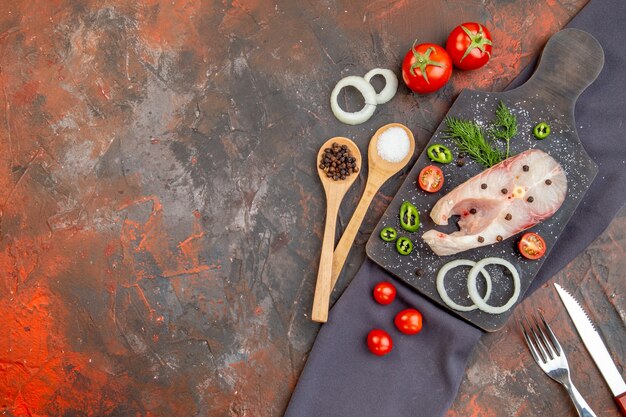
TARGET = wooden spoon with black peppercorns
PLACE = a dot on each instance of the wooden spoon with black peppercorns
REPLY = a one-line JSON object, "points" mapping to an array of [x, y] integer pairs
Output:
{"points": [[338, 164]]}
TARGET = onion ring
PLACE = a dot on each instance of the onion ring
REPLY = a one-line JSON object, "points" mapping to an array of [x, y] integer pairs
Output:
{"points": [[391, 84], [473, 291], [441, 289], [369, 94]]}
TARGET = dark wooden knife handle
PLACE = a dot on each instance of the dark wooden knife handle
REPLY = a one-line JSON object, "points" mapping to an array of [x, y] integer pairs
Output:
{"points": [[621, 403]]}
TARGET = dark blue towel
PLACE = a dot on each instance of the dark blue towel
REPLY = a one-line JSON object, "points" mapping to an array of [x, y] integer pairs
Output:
{"points": [[421, 376]]}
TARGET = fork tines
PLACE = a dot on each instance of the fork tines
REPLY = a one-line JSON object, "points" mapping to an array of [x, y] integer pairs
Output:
{"points": [[542, 347]]}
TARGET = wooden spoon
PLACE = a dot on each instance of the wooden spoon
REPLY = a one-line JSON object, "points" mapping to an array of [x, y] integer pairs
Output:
{"points": [[335, 190], [379, 171]]}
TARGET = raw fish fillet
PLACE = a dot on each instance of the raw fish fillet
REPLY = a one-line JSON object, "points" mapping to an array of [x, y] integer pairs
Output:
{"points": [[499, 202]]}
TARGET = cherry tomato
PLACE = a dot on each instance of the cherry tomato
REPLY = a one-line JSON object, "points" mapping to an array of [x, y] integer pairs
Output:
{"points": [[409, 321], [532, 246], [469, 46], [379, 342], [426, 68], [384, 293], [430, 179]]}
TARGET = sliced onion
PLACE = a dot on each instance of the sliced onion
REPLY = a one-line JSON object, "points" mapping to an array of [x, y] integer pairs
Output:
{"points": [[369, 94], [473, 291], [441, 288], [391, 84]]}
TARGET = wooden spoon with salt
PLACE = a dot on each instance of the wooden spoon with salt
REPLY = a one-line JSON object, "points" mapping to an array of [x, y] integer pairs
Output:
{"points": [[335, 191], [379, 171]]}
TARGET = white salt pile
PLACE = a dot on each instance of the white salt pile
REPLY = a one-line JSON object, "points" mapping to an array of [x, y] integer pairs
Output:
{"points": [[393, 144]]}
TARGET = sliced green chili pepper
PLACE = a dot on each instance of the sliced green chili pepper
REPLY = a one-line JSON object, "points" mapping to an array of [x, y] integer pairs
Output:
{"points": [[542, 130], [439, 153], [409, 217], [388, 234], [404, 246]]}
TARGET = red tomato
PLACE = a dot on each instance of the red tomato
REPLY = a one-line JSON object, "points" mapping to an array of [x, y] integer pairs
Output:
{"points": [[469, 46], [384, 293], [409, 321], [426, 68], [532, 246], [379, 342], [430, 179]]}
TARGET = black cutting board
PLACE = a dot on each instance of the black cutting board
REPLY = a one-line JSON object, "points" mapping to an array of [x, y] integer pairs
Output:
{"points": [[570, 61]]}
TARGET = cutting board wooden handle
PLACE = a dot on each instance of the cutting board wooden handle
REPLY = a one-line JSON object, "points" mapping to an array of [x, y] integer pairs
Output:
{"points": [[570, 62]]}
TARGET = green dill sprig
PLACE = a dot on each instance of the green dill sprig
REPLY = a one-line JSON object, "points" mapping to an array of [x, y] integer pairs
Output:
{"points": [[470, 139], [504, 126]]}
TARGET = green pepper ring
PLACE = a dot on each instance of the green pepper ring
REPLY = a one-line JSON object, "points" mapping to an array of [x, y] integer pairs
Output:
{"points": [[409, 217], [439, 153], [404, 246], [541, 130], [388, 234]]}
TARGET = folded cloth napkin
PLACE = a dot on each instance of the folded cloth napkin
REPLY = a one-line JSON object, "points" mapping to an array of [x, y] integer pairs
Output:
{"points": [[422, 374]]}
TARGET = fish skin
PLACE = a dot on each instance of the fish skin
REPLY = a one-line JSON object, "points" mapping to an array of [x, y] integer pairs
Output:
{"points": [[492, 205]]}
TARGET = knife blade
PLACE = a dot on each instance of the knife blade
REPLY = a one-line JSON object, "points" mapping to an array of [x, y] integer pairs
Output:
{"points": [[595, 346]]}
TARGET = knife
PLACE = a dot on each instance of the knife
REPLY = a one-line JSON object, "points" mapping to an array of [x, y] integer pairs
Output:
{"points": [[596, 348]]}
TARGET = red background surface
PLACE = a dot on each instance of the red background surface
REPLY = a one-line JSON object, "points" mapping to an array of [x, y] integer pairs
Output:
{"points": [[161, 223]]}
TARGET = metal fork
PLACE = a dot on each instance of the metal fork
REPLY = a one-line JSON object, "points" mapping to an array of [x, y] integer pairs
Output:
{"points": [[551, 359]]}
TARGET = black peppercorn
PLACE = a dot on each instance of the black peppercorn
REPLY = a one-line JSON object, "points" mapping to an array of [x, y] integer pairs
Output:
{"points": [[548, 182], [499, 238], [481, 239], [337, 162], [504, 191], [483, 186], [508, 216], [473, 211], [525, 168], [530, 199]]}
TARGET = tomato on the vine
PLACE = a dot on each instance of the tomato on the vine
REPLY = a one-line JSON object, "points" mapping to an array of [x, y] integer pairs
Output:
{"points": [[426, 68], [469, 46], [409, 321], [532, 246], [384, 292], [379, 342]]}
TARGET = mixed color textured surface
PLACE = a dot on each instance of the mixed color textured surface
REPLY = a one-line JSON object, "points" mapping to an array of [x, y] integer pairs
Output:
{"points": [[161, 215]]}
